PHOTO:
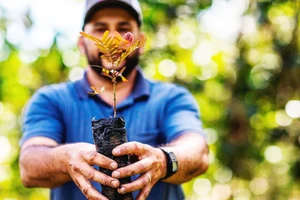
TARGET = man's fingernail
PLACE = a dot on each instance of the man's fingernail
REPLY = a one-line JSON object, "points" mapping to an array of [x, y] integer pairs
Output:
{"points": [[122, 190], [113, 165], [116, 174], [114, 183], [116, 151]]}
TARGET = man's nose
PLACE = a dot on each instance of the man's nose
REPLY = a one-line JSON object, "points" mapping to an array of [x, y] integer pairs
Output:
{"points": [[111, 31]]}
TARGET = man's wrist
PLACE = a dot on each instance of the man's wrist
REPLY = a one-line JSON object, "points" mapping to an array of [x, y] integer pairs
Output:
{"points": [[163, 159]]}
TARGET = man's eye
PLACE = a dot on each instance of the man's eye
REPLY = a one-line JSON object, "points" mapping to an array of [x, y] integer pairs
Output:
{"points": [[123, 30], [102, 30], [98, 31]]}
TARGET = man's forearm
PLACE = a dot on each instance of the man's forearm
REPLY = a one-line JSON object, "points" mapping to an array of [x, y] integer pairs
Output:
{"points": [[44, 166], [192, 154]]}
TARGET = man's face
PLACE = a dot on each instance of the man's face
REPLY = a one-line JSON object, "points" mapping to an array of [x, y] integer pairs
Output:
{"points": [[112, 19]]}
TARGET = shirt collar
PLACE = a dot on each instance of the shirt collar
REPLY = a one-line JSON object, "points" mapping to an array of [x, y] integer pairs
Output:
{"points": [[141, 87], [83, 87]]}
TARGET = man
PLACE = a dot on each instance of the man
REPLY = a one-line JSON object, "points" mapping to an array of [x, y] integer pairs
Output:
{"points": [[57, 149]]}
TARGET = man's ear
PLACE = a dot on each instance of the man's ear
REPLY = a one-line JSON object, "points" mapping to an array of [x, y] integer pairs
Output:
{"points": [[80, 44]]}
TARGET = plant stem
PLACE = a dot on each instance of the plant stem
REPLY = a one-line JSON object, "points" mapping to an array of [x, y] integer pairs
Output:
{"points": [[115, 99]]}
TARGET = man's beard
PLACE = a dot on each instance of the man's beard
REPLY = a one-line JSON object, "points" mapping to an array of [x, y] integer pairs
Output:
{"points": [[97, 64]]}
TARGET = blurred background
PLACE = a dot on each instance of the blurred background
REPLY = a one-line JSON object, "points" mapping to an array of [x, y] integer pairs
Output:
{"points": [[239, 58]]}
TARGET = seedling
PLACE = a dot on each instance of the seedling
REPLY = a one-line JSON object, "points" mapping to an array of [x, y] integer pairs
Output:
{"points": [[110, 132]]}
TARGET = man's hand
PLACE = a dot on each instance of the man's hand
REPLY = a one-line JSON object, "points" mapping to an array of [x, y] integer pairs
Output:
{"points": [[150, 164], [81, 169], [59, 164]]}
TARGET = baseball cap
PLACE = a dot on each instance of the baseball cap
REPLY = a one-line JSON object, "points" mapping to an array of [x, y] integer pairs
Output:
{"points": [[132, 6]]}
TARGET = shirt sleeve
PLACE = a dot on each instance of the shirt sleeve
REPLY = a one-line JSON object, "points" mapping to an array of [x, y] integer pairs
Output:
{"points": [[42, 116], [182, 114]]}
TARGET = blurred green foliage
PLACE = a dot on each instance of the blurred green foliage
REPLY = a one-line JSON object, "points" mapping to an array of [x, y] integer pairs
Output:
{"points": [[239, 58]]}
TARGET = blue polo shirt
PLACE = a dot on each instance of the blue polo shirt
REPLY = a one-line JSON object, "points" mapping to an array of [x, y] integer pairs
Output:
{"points": [[155, 113]]}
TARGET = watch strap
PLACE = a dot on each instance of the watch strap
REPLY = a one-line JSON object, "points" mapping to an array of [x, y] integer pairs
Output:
{"points": [[171, 162]]}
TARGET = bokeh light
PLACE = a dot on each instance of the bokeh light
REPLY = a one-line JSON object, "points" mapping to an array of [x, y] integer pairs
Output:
{"points": [[223, 175], [202, 186], [259, 186], [167, 68], [282, 118], [273, 154], [76, 73], [204, 52], [187, 39], [221, 191], [71, 58], [292, 108], [212, 135], [5, 149], [242, 194], [239, 58]]}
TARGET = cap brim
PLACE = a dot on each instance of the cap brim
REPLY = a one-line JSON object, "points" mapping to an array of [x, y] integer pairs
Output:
{"points": [[111, 4]]}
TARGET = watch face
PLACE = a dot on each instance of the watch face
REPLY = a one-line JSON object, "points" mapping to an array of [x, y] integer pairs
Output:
{"points": [[174, 162], [175, 166]]}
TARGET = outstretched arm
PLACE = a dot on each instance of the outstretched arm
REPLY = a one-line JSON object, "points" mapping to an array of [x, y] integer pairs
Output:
{"points": [[44, 163], [190, 149]]}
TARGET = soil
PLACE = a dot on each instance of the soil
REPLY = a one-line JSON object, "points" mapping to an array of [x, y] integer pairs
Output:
{"points": [[109, 133]]}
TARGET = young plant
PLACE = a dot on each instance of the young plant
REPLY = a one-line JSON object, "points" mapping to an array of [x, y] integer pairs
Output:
{"points": [[108, 133], [114, 49]]}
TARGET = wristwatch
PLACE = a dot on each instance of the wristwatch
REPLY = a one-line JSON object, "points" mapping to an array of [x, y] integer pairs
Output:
{"points": [[172, 163]]}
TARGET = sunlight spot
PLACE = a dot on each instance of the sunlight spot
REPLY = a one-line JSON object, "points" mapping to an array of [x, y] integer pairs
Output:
{"points": [[273, 154], [71, 58], [285, 23], [42, 36], [282, 118], [15, 32], [203, 53], [5, 172], [223, 19], [212, 135], [150, 69], [223, 175], [65, 43], [202, 186], [221, 191], [259, 186], [183, 11], [25, 75], [208, 71], [292, 108], [211, 156], [167, 67], [248, 25], [161, 39], [186, 39], [270, 61], [4, 52], [242, 194], [76, 73], [29, 56], [9, 120], [282, 168], [5, 149], [181, 72]]}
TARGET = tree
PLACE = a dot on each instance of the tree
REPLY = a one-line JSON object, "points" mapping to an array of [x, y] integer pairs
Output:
{"points": [[244, 75]]}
